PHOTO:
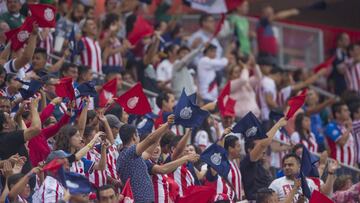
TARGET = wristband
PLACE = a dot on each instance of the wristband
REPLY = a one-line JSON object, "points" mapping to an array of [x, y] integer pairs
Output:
{"points": [[89, 146]]}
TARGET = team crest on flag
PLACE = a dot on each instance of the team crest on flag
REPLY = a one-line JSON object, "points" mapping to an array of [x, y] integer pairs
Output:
{"points": [[132, 102], [23, 36], [49, 14], [186, 113], [251, 132], [216, 159]]}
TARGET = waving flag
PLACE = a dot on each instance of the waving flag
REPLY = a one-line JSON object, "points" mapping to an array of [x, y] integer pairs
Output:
{"points": [[304, 186], [134, 101], [127, 193], [141, 29], [317, 197], [77, 183], [44, 14], [86, 89], [295, 103], [307, 169], [214, 6], [198, 194], [29, 88], [325, 65], [226, 104], [20, 35], [107, 92], [65, 88], [188, 114], [216, 157], [147, 124], [57, 170], [250, 127]]}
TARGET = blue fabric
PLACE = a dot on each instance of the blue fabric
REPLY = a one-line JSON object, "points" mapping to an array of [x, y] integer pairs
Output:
{"points": [[216, 157], [88, 165], [307, 164], [333, 131], [130, 165], [77, 183], [250, 127]]}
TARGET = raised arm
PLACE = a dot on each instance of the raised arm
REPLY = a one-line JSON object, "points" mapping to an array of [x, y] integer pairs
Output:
{"points": [[188, 58], [83, 116], [83, 151], [154, 136], [171, 166], [285, 14], [56, 67], [108, 132], [327, 188], [300, 85], [35, 127], [152, 49], [101, 165], [257, 152], [181, 145], [21, 184]]}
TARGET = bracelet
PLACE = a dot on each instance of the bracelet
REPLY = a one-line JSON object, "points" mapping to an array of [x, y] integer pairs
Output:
{"points": [[89, 146]]}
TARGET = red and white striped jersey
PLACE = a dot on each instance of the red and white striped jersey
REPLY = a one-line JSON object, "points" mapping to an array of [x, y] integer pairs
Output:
{"points": [[97, 177], [91, 55], [276, 157], [48, 44], [183, 178], [82, 166], [115, 59], [51, 191], [111, 159], [356, 129], [312, 145], [234, 177], [283, 95], [345, 154], [161, 188], [352, 75], [222, 187]]}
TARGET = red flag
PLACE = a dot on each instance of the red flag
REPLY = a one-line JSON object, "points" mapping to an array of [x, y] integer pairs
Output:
{"points": [[53, 166], [134, 101], [198, 194], [233, 4], [65, 88], [141, 29], [317, 197], [107, 92], [295, 103], [225, 103], [127, 192], [326, 64], [44, 14], [20, 35]]}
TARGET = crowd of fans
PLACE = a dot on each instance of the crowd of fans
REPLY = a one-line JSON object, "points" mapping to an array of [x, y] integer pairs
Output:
{"points": [[106, 145]]}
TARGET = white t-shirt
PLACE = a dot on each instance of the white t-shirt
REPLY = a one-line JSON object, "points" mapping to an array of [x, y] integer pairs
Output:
{"points": [[202, 138], [164, 71], [207, 68], [267, 86], [282, 186]]}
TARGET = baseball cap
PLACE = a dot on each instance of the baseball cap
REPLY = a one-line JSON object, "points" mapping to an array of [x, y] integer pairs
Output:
{"points": [[113, 121], [58, 154]]}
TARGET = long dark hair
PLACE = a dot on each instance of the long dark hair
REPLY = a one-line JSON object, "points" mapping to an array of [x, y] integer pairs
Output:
{"points": [[62, 139], [299, 128]]}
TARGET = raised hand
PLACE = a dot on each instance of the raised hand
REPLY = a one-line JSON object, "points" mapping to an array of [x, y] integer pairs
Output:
{"points": [[192, 157], [56, 101], [171, 119], [282, 122]]}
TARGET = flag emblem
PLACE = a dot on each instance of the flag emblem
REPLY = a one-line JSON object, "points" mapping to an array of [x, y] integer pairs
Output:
{"points": [[71, 184], [251, 131], [132, 102], [128, 200], [49, 14], [216, 159], [186, 113], [142, 123], [23, 35]]}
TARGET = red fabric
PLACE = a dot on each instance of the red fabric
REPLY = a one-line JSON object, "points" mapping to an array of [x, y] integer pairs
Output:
{"points": [[38, 146], [225, 103], [233, 4], [198, 194], [107, 92], [127, 192], [20, 35], [295, 103], [44, 14], [134, 101], [53, 166], [65, 88], [159, 120], [45, 114], [326, 64], [317, 197], [141, 29]]}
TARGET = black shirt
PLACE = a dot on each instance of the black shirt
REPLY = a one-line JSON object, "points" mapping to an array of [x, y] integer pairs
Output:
{"points": [[254, 177]]}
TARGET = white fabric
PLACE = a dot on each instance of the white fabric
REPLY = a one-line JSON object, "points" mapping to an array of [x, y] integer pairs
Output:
{"points": [[202, 139], [219, 6], [164, 71], [268, 86], [51, 191]]}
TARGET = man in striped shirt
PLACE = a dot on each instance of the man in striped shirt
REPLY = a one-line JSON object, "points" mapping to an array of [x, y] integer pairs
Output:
{"points": [[351, 68], [339, 135], [91, 54], [355, 116]]}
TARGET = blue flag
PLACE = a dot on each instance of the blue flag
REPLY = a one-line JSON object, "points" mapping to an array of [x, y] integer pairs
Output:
{"points": [[29, 88], [187, 113], [192, 98], [304, 186], [216, 157], [86, 89], [250, 127], [275, 116], [77, 183], [307, 164], [145, 126]]}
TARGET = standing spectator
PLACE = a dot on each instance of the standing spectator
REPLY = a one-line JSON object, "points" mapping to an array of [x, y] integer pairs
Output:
{"points": [[241, 27], [166, 102], [204, 34], [207, 67], [267, 42], [337, 79], [351, 68], [164, 71], [303, 133], [13, 17], [131, 165], [91, 54], [339, 135]]}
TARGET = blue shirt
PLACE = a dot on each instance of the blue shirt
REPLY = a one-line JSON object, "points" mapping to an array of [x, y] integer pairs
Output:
{"points": [[316, 127], [333, 131], [130, 165]]}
